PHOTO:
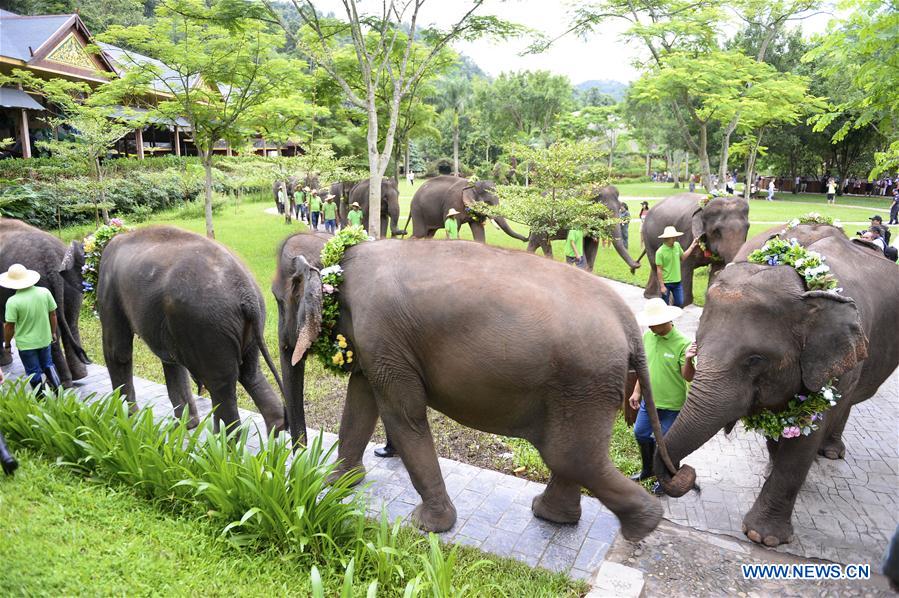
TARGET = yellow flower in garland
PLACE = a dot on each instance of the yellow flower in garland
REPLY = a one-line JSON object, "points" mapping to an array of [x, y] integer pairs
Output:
{"points": [[337, 359]]}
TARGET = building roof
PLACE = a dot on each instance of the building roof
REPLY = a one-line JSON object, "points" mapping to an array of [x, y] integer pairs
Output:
{"points": [[16, 98], [21, 36], [122, 59]]}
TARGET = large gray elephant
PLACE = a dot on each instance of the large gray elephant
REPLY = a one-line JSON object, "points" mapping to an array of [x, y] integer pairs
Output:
{"points": [[197, 307], [722, 225], [60, 269], [607, 196], [422, 340], [763, 339], [341, 191], [434, 199], [390, 205]]}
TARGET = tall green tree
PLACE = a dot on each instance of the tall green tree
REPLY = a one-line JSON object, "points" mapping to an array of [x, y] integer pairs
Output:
{"points": [[395, 25], [453, 97], [211, 65]]}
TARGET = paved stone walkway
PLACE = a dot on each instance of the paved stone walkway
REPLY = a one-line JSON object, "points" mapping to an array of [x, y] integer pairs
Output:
{"points": [[845, 512]]}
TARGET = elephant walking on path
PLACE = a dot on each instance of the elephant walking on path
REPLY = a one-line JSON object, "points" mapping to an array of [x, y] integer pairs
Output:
{"points": [[390, 205], [60, 270], [438, 195], [721, 225], [198, 309], [544, 358], [764, 339]]}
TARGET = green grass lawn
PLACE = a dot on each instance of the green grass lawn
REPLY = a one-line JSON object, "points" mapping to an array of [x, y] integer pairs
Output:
{"points": [[61, 535]]}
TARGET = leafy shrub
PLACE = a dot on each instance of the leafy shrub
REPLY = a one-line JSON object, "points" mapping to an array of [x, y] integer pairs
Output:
{"points": [[197, 209]]}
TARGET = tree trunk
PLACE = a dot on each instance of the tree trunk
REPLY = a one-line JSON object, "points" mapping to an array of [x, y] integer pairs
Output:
{"points": [[206, 156], [407, 166], [374, 171], [648, 163], [725, 149], [750, 165], [675, 172], [456, 145], [704, 157]]}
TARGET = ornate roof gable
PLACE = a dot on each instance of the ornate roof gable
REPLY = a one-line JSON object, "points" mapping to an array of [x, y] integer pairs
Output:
{"points": [[72, 53]]}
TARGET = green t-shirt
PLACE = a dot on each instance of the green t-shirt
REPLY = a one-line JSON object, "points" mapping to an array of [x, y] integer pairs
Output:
{"points": [[354, 217], [669, 259], [29, 309], [329, 209], [315, 204], [452, 227], [576, 236], [665, 356]]}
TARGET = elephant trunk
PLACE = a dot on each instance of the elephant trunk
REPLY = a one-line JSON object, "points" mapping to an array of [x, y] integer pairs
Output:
{"points": [[704, 413], [294, 387], [618, 244], [508, 229], [308, 328]]}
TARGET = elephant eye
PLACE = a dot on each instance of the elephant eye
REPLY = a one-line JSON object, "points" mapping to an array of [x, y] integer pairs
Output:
{"points": [[754, 362]]}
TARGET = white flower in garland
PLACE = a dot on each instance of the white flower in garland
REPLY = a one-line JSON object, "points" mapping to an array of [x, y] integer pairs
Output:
{"points": [[336, 269]]}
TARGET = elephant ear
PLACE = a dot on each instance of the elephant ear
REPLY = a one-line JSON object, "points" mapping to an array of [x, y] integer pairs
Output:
{"points": [[834, 341], [469, 195], [307, 286], [73, 257], [698, 225]]}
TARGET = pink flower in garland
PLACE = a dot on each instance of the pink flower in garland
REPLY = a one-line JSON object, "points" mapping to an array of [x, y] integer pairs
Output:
{"points": [[116, 222], [791, 432], [327, 288]]}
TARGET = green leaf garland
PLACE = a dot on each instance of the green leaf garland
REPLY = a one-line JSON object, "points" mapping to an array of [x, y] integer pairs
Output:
{"points": [[94, 245]]}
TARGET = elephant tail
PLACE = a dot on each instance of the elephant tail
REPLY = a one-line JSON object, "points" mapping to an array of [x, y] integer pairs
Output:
{"points": [[63, 323], [638, 363], [406, 226], [257, 326]]}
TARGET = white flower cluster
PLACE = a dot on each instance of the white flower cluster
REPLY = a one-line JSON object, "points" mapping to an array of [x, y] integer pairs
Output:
{"points": [[336, 269]]}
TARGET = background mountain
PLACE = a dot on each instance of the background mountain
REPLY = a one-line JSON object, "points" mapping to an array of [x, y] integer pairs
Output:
{"points": [[616, 89]]}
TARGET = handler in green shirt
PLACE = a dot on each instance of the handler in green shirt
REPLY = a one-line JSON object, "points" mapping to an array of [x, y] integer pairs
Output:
{"points": [[354, 216], [30, 317], [669, 356], [574, 248], [329, 211], [668, 260], [315, 208], [450, 224]]}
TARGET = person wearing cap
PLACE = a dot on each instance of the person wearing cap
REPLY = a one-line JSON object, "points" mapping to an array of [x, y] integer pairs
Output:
{"points": [[668, 261], [894, 207], [877, 220], [669, 357], [329, 213], [354, 216], [315, 208], [574, 248], [450, 224], [31, 318]]}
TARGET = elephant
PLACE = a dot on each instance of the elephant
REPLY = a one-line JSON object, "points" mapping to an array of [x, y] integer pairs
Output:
{"points": [[607, 196], [390, 204], [60, 270], [722, 224], [341, 191], [422, 340], [435, 198], [763, 339], [198, 309]]}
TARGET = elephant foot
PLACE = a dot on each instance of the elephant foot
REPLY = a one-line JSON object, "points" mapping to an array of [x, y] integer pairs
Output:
{"points": [[193, 422], [435, 518], [637, 524], [78, 371], [341, 471], [5, 358], [833, 449], [132, 407], [768, 533], [555, 512]]}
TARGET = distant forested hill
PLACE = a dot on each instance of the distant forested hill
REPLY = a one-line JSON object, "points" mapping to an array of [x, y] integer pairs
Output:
{"points": [[616, 89]]}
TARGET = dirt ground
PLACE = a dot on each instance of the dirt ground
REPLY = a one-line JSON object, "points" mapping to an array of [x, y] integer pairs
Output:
{"points": [[679, 561]]}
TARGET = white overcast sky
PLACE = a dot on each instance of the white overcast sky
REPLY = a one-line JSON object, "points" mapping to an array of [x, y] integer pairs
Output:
{"points": [[603, 55]]}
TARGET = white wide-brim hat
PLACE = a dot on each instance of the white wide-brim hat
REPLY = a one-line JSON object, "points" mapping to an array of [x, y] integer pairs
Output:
{"points": [[329, 196], [19, 277], [452, 212], [355, 204], [670, 232], [657, 312]]}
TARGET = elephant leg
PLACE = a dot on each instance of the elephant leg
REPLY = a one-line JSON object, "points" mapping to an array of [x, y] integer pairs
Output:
{"points": [[224, 403], [477, 231], [768, 521], [177, 383], [560, 502], [533, 244], [833, 447], [687, 281], [547, 246], [653, 284], [62, 365], [118, 347], [77, 368], [591, 248], [586, 462], [357, 424], [263, 395], [403, 409], [5, 353]]}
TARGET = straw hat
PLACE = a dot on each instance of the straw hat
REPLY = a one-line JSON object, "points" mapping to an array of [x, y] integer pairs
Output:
{"points": [[670, 232], [19, 277], [329, 196], [656, 312], [452, 212], [355, 204]]}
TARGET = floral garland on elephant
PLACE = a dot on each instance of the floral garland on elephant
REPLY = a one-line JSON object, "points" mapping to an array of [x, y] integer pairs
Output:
{"points": [[804, 412], [331, 348]]}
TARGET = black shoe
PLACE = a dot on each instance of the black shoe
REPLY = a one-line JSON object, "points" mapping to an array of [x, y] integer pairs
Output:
{"points": [[7, 461], [647, 454], [657, 489], [386, 451]]}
